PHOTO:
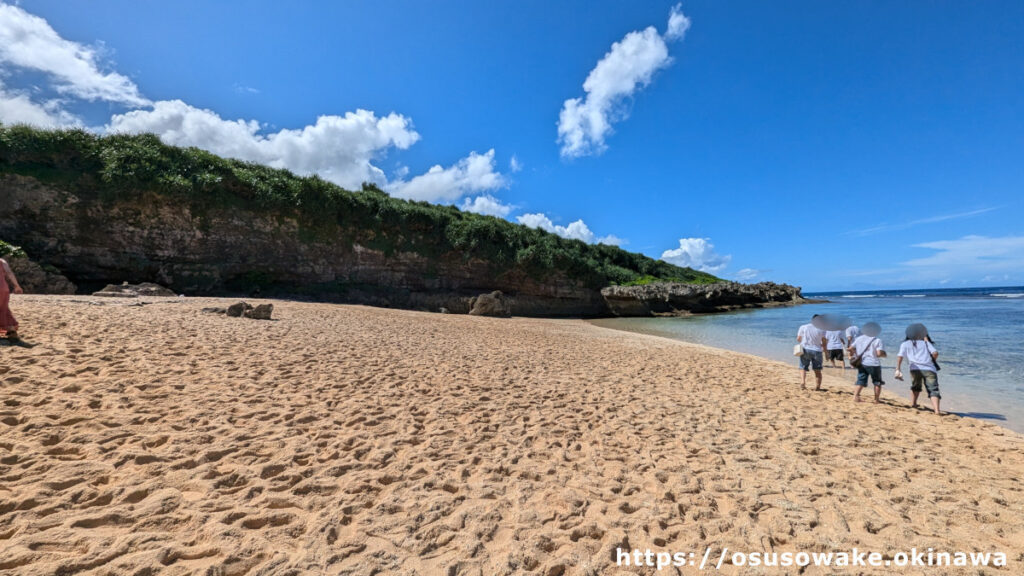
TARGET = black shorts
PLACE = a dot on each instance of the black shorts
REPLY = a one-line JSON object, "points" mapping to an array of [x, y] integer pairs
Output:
{"points": [[835, 354]]}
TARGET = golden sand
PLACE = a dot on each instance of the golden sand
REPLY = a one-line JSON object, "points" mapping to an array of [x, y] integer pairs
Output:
{"points": [[156, 439]]}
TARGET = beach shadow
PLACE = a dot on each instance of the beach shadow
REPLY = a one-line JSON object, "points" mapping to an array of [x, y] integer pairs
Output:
{"points": [[16, 343], [981, 415]]}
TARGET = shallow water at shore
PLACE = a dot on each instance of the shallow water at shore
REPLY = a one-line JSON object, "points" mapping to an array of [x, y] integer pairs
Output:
{"points": [[975, 330]]}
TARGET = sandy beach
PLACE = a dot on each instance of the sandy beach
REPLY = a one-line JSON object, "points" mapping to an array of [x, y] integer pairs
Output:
{"points": [[144, 437]]}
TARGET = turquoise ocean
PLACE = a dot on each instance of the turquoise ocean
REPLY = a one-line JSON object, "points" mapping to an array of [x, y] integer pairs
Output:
{"points": [[978, 332]]}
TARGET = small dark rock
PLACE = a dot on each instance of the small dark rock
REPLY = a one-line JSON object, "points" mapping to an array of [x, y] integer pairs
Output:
{"points": [[215, 310]]}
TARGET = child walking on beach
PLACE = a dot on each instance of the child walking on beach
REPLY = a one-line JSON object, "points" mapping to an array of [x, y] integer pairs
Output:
{"points": [[8, 282], [867, 348], [836, 341], [921, 355], [812, 340]]}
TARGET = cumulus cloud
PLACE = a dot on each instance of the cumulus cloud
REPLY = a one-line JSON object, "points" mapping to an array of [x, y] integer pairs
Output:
{"points": [[577, 230], [584, 123], [486, 204], [29, 42], [474, 173], [697, 253], [678, 24], [342, 149], [338, 148]]}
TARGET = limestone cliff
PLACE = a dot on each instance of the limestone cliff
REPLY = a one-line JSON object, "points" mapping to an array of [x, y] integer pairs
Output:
{"points": [[152, 238], [223, 250]]}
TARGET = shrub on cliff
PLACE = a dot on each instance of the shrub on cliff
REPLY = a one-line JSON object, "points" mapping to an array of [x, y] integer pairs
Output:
{"points": [[10, 251], [124, 166]]}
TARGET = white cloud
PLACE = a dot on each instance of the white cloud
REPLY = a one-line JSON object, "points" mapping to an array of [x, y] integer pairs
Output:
{"points": [[341, 149], [514, 165], [18, 108], [678, 24], [28, 41], [577, 230], [474, 173], [919, 221], [971, 256], [338, 148], [631, 63], [697, 253], [747, 274], [486, 204]]}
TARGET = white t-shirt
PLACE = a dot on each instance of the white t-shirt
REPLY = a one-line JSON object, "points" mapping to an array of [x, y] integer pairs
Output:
{"points": [[851, 333], [919, 354], [835, 339], [810, 337], [868, 347]]}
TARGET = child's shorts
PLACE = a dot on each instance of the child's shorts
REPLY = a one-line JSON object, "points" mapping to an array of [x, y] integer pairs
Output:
{"points": [[926, 378], [875, 372]]}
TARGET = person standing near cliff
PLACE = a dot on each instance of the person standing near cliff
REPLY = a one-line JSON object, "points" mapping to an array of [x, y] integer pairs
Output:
{"points": [[812, 340], [8, 283]]}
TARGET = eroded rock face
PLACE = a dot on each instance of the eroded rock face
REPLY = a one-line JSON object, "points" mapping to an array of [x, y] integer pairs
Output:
{"points": [[671, 299], [37, 279], [229, 250]]}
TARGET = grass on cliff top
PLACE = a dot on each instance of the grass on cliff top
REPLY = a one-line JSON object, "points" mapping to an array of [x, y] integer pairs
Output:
{"points": [[646, 279], [125, 167]]}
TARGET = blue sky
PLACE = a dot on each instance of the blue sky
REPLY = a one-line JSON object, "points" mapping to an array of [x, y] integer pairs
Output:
{"points": [[829, 145]]}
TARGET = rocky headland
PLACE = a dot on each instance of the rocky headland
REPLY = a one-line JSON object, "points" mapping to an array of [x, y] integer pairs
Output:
{"points": [[676, 299]]}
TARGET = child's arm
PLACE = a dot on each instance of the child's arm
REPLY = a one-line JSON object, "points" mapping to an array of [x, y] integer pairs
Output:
{"points": [[9, 275]]}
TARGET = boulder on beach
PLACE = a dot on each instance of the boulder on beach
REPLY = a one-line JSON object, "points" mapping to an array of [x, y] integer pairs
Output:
{"points": [[492, 304], [260, 312], [238, 309], [243, 310], [126, 290]]}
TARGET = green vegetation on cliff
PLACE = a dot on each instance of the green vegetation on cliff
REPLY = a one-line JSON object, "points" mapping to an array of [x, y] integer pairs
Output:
{"points": [[125, 166], [10, 251]]}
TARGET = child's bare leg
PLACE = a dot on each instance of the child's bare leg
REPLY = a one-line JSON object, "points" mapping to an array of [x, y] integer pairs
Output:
{"points": [[935, 404], [803, 379], [878, 392], [817, 379], [856, 395], [913, 398]]}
